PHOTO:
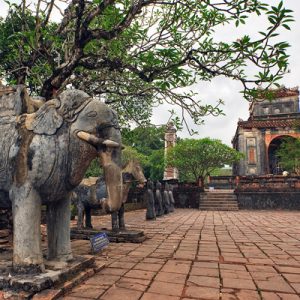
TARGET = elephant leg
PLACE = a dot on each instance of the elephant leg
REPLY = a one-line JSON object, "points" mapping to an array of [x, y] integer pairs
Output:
{"points": [[27, 249], [58, 229], [121, 214], [115, 221], [88, 217], [80, 214]]}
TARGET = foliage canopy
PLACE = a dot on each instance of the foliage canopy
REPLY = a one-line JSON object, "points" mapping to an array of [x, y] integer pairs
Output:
{"points": [[194, 158], [128, 153], [137, 54], [289, 155], [148, 142]]}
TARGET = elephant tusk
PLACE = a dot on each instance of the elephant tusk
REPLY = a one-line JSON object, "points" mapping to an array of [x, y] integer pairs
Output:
{"points": [[111, 144], [90, 138]]}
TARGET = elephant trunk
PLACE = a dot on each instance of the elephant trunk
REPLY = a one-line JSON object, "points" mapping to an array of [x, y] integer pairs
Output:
{"points": [[113, 180], [110, 156]]}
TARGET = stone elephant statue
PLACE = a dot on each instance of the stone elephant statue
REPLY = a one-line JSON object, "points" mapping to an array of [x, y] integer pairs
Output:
{"points": [[45, 150], [91, 192]]}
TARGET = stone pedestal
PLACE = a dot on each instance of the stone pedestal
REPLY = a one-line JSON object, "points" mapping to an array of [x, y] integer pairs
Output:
{"points": [[121, 236], [55, 274]]}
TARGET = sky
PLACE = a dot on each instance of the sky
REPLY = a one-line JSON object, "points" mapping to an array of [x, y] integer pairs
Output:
{"points": [[235, 107]]}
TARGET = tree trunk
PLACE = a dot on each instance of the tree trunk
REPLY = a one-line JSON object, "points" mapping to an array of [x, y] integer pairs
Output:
{"points": [[60, 75]]}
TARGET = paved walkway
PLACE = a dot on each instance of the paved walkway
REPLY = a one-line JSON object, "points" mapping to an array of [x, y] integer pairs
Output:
{"points": [[193, 254]]}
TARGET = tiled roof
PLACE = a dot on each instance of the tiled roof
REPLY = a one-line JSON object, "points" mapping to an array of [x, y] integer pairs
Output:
{"points": [[278, 93], [268, 123]]}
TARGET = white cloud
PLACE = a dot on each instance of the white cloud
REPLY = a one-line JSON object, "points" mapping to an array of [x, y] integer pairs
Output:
{"points": [[223, 127]]}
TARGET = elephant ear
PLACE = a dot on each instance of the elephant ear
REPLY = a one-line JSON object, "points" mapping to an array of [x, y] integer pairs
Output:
{"points": [[46, 120]]}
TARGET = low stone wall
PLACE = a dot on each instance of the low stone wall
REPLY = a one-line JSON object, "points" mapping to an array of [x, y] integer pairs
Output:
{"points": [[269, 200], [268, 192], [135, 199], [187, 195], [221, 182]]}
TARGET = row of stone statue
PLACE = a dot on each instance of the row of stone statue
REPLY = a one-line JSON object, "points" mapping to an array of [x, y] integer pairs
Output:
{"points": [[158, 202]]}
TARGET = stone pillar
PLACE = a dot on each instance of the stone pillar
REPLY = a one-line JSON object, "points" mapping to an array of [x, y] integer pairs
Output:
{"points": [[170, 141]]}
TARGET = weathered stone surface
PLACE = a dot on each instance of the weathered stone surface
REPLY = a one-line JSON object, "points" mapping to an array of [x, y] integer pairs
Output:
{"points": [[269, 200], [45, 150], [158, 200], [260, 136], [91, 193], [149, 199], [54, 274], [166, 199], [187, 195], [171, 198], [122, 236]]}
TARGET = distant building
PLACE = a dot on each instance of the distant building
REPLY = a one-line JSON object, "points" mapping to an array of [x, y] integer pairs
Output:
{"points": [[170, 173], [260, 136]]}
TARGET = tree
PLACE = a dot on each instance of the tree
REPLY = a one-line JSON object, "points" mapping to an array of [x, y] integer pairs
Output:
{"points": [[130, 153], [137, 54], [149, 142], [222, 172], [144, 139], [156, 164], [289, 155], [197, 158]]}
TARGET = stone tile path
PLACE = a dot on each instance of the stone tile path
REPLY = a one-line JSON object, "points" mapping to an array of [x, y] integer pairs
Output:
{"points": [[193, 254]]}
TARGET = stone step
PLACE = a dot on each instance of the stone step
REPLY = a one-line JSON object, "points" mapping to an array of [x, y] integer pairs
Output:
{"points": [[218, 204], [219, 196], [213, 206], [217, 199], [219, 209], [223, 201], [216, 207]]}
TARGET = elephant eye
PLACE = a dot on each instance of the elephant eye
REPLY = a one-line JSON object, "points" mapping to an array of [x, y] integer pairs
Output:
{"points": [[92, 114]]}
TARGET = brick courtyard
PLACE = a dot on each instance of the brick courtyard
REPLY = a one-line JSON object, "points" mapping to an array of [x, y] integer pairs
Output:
{"points": [[193, 254]]}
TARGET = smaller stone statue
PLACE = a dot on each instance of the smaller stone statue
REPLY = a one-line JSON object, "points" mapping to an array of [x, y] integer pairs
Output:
{"points": [[166, 199], [158, 200], [149, 197], [171, 198]]}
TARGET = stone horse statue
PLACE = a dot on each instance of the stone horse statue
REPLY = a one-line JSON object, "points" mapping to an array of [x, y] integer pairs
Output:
{"points": [[90, 194], [45, 150]]}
